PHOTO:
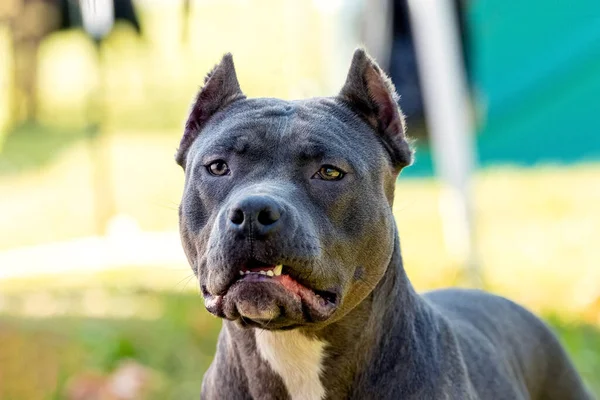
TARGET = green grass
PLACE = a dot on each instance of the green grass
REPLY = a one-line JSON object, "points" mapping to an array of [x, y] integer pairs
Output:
{"points": [[583, 344], [46, 352], [178, 344]]}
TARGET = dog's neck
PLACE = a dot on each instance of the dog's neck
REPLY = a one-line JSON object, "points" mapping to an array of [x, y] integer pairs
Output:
{"points": [[367, 339], [338, 359]]}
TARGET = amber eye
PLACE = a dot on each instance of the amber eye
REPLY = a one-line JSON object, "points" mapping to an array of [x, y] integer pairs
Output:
{"points": [[218, 168], [328, 173]]}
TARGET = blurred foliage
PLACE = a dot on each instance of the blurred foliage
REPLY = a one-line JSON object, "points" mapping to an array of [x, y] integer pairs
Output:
{"points": [[148, 82], [38, 356], [583, 344]]}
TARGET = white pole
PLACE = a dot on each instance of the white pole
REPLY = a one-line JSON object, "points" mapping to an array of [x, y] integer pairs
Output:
{"points": [[447, 110]]}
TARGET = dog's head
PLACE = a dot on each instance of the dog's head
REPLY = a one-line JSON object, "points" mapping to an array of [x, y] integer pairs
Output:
{"points": [[286, 215]]}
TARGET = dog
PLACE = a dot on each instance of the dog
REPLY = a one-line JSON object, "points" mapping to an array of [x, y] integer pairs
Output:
{"points": [[286, 220]]}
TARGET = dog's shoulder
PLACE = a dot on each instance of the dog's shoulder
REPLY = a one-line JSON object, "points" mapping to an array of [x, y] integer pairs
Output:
{"points": [[491, 324], [488, 313], [496, 333]]}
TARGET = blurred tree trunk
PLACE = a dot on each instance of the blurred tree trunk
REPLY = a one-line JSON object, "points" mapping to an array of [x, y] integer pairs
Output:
{"points": [[29, 22]]}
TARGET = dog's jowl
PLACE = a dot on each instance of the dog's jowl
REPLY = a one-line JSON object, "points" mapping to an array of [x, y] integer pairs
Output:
{"points": [[286, 219]]}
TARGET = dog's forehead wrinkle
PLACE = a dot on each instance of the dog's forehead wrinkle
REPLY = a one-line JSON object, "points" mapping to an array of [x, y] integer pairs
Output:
{"points": [[238, 137], [295, 127], [331, 127], [311, 151], [304, 129]]}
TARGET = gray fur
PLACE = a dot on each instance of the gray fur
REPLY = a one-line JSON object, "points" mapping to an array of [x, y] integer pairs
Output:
{"points": [[384, 341]]}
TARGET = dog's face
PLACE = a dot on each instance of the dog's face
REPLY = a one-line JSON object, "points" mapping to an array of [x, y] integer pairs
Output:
{"points": [[286, 214]]}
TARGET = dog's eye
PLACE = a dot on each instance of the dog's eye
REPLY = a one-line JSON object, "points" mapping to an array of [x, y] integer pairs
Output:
{"points": [[329, 173], [218, 168]]}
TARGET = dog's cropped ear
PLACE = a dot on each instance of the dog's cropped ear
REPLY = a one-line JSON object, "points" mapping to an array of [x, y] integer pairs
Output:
{"points": [[369, 92], [220, 89]]}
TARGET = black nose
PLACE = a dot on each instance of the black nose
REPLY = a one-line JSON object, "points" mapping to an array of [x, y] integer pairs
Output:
{"points": [[257, 214]]}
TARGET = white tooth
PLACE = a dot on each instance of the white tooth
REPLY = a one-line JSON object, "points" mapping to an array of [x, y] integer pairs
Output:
{"points": [[262, 272], [241, 272], [277, 270], [270, 273]]}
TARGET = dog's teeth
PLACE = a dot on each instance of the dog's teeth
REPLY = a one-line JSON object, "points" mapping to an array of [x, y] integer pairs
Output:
{"points": [[262, 272], [241, 272], [277, 270], [270, 273]]}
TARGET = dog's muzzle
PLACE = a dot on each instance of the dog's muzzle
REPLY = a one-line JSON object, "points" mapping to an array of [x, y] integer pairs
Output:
{"points": [[266, 284]]}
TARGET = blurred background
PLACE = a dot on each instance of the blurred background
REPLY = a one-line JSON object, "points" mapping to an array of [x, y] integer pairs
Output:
{"points": [[96, 298]]}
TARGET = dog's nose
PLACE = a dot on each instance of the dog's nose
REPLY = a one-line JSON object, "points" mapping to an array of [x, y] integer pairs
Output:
{"points": [[259, 214]]}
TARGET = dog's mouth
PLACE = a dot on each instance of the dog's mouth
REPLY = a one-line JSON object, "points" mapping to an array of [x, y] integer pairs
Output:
{"points": [[257, 271], [265, 294]]}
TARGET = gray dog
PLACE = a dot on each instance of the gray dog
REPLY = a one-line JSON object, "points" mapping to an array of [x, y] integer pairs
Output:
{"points": [[286, 219]]}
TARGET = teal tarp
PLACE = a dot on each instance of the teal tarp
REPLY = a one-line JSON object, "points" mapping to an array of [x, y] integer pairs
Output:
{"points": [[535, 73]]}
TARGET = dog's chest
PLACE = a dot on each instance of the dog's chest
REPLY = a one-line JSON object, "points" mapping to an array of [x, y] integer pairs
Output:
{"points": [[297, 359]]}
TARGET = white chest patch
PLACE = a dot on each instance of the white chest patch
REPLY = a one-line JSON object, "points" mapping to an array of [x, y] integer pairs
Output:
{"points": [[296, 358]]}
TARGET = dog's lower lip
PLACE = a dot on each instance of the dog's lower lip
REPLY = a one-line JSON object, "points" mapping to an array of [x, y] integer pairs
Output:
{"points": [[291, 284], [262, 287]]}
